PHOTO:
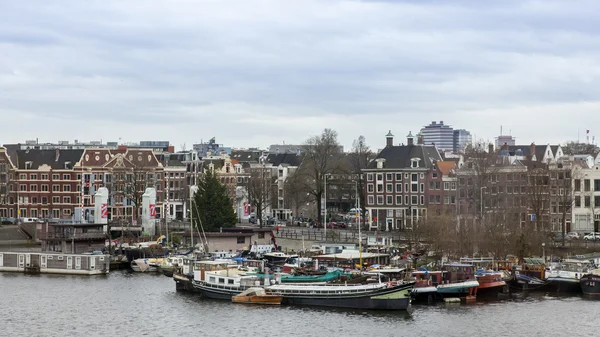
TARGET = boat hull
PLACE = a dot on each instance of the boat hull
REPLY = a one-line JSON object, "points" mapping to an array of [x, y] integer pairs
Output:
{"points": [[218, 293], [184, 283], [427, 294], [460, 288], [566, 285], [393, 298], [590, 285]]}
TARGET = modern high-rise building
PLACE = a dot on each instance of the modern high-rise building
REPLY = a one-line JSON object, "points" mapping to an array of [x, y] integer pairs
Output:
{"points": [[508, 140], [461, 139], [442, 136]]}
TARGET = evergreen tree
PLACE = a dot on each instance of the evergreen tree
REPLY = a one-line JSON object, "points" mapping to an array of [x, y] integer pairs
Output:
{"points": [[212, 204]]}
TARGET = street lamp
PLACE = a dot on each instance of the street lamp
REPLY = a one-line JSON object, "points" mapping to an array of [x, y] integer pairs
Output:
{"points": [[544, 251], [325, 203]]}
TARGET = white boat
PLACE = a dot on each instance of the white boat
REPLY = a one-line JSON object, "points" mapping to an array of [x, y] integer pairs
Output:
{"points": [[566, 277], [222, 281]]}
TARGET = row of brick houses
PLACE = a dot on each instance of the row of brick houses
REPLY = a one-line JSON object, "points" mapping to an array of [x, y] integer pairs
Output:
{"points": [[537, 185]]}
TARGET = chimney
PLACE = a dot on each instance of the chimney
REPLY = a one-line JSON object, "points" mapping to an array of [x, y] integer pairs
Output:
{"points": [[57, 155], [490, 148], [419, 139], [532, 149], [410, 139], [389, 139], [505, 147]]}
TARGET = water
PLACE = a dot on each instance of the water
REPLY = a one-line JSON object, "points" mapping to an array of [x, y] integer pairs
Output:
{"points": [[129, 304]]}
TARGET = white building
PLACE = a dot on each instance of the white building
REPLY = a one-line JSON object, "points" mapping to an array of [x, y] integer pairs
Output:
{"points": [[586, 195], [438, 134]]}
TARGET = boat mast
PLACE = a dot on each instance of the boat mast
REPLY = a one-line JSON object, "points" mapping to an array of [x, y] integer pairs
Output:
{"points": [[191, 217], [358, 217]]}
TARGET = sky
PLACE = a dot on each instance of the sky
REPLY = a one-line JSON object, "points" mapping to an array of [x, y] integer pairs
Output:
{"points": [[257, 72]]}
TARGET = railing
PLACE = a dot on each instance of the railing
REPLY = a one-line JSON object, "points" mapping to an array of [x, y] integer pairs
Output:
{"points": [[73, 236]]}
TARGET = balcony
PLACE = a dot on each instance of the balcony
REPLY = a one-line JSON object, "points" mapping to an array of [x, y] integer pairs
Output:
{"points": [[73, 236]]}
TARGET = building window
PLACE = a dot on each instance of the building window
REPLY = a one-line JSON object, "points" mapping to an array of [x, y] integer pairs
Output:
{"points": [[431, 185], [414, 200], [587, 201], [422, 187], [414, 163], [380, 200], [388, 177], [399, 176], [390, 200], [415, 188], [398, 200], [66, 177], [438, 199], [446, 186], [261, 235], [44, 177], [55, 188], [66, 200], [369, 176], [22, 187], [56, 200], [66, 211], [423, 200], [434, 174], [44, 200], [406, 187], [406, 199], [33, 188], [22, 176], [389, 188], [241, 239], [577, 184], [370, 200], [398, 188], [379, 188], [577, 201], [431, 199], [379, 177], [66, 188], [370, 188], [422, 175], [33, 177], [414, 177], [34, 200], [586, 185]]}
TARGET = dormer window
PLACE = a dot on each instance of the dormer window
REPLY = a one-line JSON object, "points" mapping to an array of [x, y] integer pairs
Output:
{"points": [[67, 165], [380, 162], [414, 162], [28, 165]]}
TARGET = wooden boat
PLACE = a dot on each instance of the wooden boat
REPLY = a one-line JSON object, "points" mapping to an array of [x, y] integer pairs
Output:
{"points": [[590, 283], [257, 296], [426, 285]]}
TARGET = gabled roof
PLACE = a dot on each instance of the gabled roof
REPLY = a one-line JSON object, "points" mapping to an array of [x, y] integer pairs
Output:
{"points": [[446, 167], [245, 156], [400, 156], [56, 159], [525, 151], [289, 159]]}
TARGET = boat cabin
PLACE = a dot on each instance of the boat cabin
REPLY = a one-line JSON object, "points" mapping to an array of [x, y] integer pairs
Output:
{"points": [[201, 267], [457, 272], [427, 278]]}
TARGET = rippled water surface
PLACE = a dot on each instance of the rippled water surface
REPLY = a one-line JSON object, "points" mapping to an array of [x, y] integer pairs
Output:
{"points": [[128, 304]]}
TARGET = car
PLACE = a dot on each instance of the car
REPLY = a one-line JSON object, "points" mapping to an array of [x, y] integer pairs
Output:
{"points": [[592, 236], [573, 235]]}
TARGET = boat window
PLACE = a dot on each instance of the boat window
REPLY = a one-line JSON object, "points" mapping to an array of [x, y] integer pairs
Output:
{"points": [[211, 279], [229, 281], [221, 280]]}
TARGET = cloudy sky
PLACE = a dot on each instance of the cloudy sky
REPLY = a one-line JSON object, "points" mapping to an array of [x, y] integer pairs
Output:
{"points": [[254, 73]]}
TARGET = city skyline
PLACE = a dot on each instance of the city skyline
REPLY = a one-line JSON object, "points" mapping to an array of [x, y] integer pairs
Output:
{"points": [[269, 71]]}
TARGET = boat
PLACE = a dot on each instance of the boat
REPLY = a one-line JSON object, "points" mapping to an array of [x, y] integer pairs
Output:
{"points": [[590, 283], [490, 282], [566, 277], [256, 295], [145, 265], [278, 258], [170, 264], [382, 296], [222, 281], [458, 279], [425, 289], [326, 277]]}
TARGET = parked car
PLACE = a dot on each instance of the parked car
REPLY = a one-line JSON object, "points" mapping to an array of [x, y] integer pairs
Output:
{"points": [[573, 235], [9, 221], [592, 236], [252, 219]]}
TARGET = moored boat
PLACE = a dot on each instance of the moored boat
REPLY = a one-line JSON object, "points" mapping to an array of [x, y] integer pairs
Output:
{"points": [[382, 296], [458, 279], [145, 265], [566, 278], [425, 289], [490, 283], [257, 296], [590, 283]]}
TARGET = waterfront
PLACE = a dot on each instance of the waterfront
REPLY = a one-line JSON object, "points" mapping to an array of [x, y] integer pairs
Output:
{"points": [[125, 303]]}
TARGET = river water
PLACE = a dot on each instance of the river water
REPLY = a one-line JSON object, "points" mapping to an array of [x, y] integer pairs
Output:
{"points": [[130, 304]]}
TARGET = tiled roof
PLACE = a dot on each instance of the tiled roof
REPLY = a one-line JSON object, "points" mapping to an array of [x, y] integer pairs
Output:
{"points": [[400, 156], [446, 167], [48, 157], [290, 159]]}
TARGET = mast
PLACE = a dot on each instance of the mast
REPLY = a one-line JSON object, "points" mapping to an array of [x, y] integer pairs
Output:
{"points": [[191, 217], [358, 217]]}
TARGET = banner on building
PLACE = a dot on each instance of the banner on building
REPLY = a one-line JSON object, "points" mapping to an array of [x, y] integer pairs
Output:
{"points": [[246, 209], [152, 211]]}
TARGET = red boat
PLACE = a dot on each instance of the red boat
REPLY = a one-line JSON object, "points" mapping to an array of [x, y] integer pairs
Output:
{"points": [[490, 283]]}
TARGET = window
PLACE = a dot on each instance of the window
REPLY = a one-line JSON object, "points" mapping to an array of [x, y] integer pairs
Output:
{"points": [[577, 186], [22, 187], [405, 175], [587, 201], [261, 235], [44, 177], [446, 186], [398, 188], [438, 199], [33, 177], [389, 200], [390, 213], [434, 174], [389, 188], [22, 176], [398, 200], [370, 188], [34, 200], [369, 176], [414, 177], [577, 201], [431, 199], [431, 185], [422, 175], [414, 163], [66, 177], [406, 199], [406, 187], [415, 188], [379, 177], [446, 200], [241, 239], [379, 188], [55, 188], [453, 186], [586, 185], [56, 177], [414, 200], [422, 187], [66, 200], [380, 200], [44, 200], [422, 200], [370, 200], [66, 211], [388, 177], [597, 185], [66, 188], [33, 188], [56, 200], [399, 176]]}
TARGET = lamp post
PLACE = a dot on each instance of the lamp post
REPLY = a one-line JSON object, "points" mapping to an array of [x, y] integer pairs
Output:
{"points": [[325, 203], [544, 251]]}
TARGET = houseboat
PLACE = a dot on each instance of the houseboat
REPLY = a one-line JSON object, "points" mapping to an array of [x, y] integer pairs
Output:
{"points": [[383, 296], [425, 289], [590, 283], [490, 283], [566, 278], [222, 281], [458, 279], [531, 274], [55, 263]]}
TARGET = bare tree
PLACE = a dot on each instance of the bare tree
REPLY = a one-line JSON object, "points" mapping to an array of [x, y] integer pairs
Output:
{"points": [[295, 194], [571, 148], [360, 157], [538, 194], [321, 158], [259, 190]]}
